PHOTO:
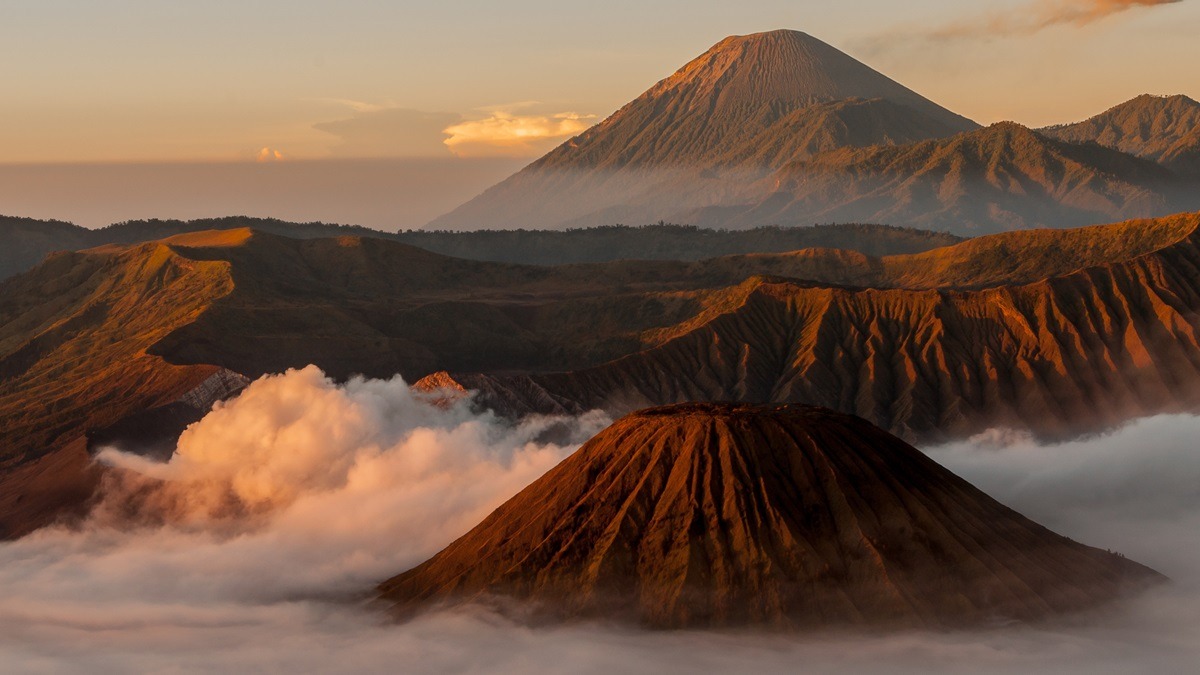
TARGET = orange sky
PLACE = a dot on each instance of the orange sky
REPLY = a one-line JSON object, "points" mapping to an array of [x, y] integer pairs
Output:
{"points": [[147, 80]]}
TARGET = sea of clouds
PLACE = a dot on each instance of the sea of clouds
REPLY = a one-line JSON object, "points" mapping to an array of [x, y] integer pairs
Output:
{"points": [[256, 548]]}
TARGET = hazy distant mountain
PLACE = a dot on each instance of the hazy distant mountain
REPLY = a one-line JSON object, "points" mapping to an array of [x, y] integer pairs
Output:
{"points": [[25, 241], [703, 515], [1165, 129], [747, 106], [999, 178]]}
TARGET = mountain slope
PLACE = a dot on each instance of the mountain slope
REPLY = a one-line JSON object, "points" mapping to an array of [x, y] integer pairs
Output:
{"points": [[723, 98], [999, 178], [827, 126], [74, 335], [1074, 353], [719, 514], [752, 102], [1164, 129]]}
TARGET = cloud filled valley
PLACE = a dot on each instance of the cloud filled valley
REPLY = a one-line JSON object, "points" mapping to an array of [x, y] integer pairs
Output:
{"points": [[258, 545]]}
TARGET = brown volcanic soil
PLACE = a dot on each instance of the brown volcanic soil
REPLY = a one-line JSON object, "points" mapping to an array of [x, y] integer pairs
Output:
{"points": [[703, 515], [728, 96]]}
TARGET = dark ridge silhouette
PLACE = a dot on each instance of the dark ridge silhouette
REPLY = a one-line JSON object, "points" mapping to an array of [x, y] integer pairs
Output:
{"points": [[25, 242]]}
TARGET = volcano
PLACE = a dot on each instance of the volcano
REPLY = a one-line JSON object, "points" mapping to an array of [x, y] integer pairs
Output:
{"points": [[780, 128], [702, 515], [746, 107]]}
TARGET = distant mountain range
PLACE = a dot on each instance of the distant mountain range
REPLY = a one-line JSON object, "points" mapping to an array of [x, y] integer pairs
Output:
{"points": [[780, 128]]}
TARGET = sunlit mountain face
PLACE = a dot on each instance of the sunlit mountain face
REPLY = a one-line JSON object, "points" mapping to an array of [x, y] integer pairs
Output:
{"points": [[402, 350]]}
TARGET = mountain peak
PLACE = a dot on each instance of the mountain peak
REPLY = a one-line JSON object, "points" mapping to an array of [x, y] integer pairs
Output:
{"points": [[744, 97], [698, 515], [782, 68], [1165, 129], [1158, 101]]}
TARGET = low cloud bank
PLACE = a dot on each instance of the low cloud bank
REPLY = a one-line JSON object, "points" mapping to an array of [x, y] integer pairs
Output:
{"points": [[282, 508], [1136, 491]]}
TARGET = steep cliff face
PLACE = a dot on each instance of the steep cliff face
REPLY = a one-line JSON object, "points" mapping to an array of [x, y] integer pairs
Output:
{"points": [[1069, 354], [723, 514]]}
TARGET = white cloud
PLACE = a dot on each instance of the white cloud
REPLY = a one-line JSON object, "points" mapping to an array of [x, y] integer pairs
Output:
{"points": [[342, 486], [505, 132]]}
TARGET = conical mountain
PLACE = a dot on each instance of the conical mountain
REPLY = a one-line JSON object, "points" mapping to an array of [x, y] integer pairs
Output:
{"points": [[744, 96], [1165, 129], [729, 94], [730, 514]]}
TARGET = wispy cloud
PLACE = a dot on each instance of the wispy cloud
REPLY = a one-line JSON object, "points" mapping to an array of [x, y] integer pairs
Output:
{"points": [[380, 131], [1040, 15], [357, 106], [505, 132]]}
